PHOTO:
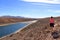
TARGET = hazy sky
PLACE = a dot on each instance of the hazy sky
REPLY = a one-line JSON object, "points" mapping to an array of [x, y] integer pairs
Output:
{"points": [[30, 8]]}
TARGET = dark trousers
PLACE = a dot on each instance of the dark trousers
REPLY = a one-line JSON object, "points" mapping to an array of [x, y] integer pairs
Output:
{"points": [[51, 24]]}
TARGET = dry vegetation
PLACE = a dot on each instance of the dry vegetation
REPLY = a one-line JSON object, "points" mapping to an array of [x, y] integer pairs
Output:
{"points": [[37, 31]]}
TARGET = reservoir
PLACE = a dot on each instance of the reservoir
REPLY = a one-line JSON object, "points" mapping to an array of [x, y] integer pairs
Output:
{"points": [[8, 29]]}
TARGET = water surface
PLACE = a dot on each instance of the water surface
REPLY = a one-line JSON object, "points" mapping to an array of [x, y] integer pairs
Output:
{"points": [[8, 29]]}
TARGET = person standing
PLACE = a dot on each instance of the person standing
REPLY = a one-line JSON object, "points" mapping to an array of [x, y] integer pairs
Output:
{"points": [[53, 28], [54, 33], [51, 22]]}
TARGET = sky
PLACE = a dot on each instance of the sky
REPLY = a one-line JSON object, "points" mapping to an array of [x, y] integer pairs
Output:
{"points": [[30, 8]]}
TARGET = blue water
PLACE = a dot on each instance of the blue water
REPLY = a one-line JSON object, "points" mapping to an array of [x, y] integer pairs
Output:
{"points": [[8, 29]]}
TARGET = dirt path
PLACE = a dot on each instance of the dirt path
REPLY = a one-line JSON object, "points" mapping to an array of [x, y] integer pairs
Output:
{"points": [[57, 28]]}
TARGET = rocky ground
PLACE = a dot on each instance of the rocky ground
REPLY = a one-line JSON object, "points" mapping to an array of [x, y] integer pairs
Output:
{"points": [[36, 31]]}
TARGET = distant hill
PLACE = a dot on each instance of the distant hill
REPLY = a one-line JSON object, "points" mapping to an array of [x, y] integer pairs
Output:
{"points": [[12, 19]]}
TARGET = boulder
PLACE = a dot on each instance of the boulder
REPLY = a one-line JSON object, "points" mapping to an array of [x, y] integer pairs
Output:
{"points": [[55, 35]]}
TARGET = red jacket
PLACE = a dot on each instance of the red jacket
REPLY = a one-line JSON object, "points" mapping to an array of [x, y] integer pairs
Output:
{"points": [[51, 20]]}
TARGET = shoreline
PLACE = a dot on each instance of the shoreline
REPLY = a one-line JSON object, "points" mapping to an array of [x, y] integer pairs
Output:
{"points": [[6, 24], [30, 22], [14, 23]]}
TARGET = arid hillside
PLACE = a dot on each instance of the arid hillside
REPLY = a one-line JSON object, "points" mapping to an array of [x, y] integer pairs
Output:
{"points": [[13, 19], [36, 31]]}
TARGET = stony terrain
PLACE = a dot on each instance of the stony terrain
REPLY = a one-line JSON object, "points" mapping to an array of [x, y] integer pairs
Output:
{"points": [[36, 31]]}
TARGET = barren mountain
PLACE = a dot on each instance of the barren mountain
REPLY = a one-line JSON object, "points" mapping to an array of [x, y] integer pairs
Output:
{"points": [[13, 19]]}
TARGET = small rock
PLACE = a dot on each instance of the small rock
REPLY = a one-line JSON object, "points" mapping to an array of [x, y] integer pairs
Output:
{"points": [[48, 31], [11, 35], [14, 39]]}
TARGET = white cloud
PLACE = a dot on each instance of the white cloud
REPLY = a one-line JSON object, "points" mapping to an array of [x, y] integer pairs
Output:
{"points": [[45, 1], [55, 11], [39, 4]]}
